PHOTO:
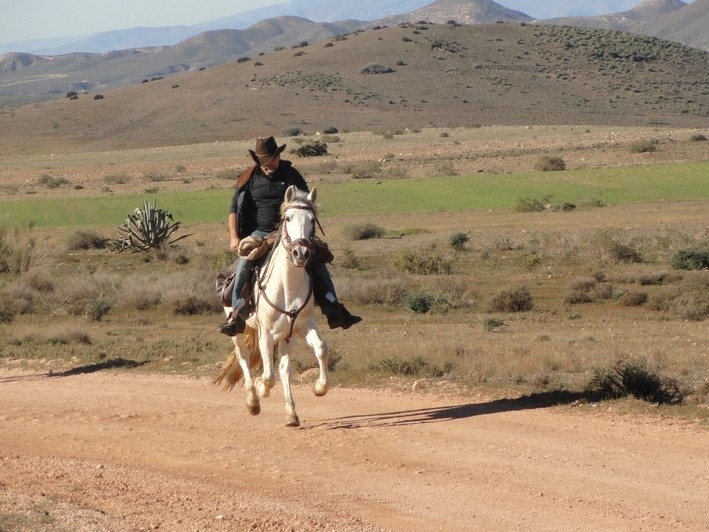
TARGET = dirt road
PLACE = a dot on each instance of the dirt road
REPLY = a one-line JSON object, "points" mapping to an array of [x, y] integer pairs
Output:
{"points": [[113, 450]]}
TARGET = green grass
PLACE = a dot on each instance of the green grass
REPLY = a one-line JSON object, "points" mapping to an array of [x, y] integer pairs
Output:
{"points": [[683, 181]]}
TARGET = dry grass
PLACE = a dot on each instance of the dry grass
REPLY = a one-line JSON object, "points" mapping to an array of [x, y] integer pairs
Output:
{"points": [[554, 345]]}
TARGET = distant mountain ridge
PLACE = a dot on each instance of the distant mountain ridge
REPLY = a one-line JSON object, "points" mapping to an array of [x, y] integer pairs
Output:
{"points": [[643, 16], [57, 74]]}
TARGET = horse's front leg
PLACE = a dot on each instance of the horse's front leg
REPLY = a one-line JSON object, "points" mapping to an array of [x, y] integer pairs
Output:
{"points": [[315, 341], [267, 380], [284, 370], [253, 404]]}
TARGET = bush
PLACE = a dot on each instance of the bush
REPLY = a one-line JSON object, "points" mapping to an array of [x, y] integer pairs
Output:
{"points": [[633, 299], [96, 309], [532, 204], [697, 137], [364, 231], [231, 174], [292, 131], [427, 261], [518, 300], [632, 377], [547, 163], [85, 239], [191, 305], [420, 303], [365, 170], [312, 149], [643, 146], [330, 130], [691, 259], [458, 241]]}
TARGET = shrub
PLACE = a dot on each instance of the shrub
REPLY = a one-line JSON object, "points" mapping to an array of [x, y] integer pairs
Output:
{"points": [[547, 163], [643, 146], [517, 300], [85, 239], [375, 68], [330, 130], [7, 309], [697, 137], [364, 231], [532, 204], [97, 308], [191, 305], [365, 170], [420, 303], [416, 366], [427, 261], [348, 259], [691, 259], [19, 255], [231, 174], [458, 241], [312, 149], [493, 324], [292, 131], [632, 377], [633, 299], [52, 182]]}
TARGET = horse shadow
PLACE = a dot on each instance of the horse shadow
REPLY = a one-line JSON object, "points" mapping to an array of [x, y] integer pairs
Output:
{"points": [[453, 412], [89, 368]]}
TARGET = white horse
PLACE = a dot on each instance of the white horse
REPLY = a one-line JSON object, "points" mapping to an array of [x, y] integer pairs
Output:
{"points": [[284, 308]]}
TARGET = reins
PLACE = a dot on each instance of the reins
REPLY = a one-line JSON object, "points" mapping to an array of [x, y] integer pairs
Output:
{"points": [[261, 279]]}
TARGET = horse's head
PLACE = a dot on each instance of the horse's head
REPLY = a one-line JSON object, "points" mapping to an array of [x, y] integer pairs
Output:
{"points": [[298, 217]]}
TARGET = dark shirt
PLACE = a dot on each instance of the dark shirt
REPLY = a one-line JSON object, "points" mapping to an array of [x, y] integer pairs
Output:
{"points": [[258, 202]]}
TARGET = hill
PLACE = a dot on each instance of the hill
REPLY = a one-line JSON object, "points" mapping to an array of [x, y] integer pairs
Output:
{"points": [[429, 75]]}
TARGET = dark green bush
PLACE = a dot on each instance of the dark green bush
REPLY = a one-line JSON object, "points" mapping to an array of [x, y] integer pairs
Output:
{"points": [[458, 241], [691, 259], [632, 378], [312, 149]]}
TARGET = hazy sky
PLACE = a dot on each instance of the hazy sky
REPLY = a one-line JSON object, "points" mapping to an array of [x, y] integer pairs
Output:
{"points": [[44, 19], [22, 20]]}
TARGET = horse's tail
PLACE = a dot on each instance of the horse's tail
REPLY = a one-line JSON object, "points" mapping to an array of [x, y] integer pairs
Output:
{"points": [[231, 373]]}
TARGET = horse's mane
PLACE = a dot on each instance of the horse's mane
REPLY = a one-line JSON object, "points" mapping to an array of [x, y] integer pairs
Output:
{"points": [[300, 199]]}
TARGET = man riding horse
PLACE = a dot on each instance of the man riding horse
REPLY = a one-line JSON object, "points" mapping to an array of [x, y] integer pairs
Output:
{"points": [[255, 212]]}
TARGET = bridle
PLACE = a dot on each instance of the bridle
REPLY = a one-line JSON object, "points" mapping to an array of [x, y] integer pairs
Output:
{"points": [[290, 246]]}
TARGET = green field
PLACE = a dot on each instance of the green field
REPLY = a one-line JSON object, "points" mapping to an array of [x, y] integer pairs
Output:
{"points": [[683, 181]]}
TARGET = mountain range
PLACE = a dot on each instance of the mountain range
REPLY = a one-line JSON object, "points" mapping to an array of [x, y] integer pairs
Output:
{"points": [[32, 76]]}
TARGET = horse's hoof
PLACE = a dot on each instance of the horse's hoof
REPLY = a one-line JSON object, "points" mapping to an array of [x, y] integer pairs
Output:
{"points": [[292, 421], [254, 410], [319, 389]]}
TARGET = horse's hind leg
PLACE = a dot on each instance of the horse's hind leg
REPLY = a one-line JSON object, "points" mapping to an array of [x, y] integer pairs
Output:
{"points": [[253, 403], [315, 341], [284, 370]]}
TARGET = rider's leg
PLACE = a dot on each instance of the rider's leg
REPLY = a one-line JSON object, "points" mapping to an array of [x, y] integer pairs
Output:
{"points": [[326, 298]]}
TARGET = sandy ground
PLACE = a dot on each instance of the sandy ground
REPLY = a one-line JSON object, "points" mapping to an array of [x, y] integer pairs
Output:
{"points": [[114, 450]]}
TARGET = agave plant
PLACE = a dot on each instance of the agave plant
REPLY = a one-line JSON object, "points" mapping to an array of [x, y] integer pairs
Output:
{"points": [[148, 227]]}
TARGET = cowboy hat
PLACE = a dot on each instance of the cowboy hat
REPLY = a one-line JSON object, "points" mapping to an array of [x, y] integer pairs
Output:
{"points": [[266, 150]]}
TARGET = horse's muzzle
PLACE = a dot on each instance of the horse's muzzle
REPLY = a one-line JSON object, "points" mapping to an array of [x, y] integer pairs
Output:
{"points": [[300, 252]]}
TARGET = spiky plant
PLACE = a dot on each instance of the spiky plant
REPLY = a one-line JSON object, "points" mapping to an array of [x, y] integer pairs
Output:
{"points": [[148, 227]]}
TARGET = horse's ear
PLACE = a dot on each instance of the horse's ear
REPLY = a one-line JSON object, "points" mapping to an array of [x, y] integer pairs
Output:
{"points": [[290, 193], [313, 195]]}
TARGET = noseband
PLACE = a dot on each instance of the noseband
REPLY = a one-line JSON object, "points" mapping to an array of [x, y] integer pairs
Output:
{"points": [[291, 244]]}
